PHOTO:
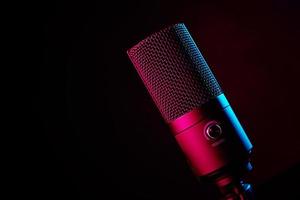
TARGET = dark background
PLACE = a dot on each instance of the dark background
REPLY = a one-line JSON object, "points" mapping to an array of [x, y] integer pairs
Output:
{"points": [[93, 129]]}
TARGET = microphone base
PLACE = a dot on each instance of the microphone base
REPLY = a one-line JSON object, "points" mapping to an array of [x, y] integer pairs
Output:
{"points": [[232, 189], [230, 183]]}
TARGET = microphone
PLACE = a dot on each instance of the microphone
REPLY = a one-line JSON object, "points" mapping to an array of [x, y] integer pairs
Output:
{"points": [[194, 106]]}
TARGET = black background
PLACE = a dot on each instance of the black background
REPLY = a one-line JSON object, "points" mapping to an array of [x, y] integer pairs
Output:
{"points": [[94, 132]]}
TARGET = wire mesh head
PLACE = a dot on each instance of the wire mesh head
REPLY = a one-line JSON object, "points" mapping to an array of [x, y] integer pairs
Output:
{"points": [[174, 71]]}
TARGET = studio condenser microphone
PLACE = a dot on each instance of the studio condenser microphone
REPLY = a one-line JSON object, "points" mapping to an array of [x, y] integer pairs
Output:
{"points": [[193, 104]]}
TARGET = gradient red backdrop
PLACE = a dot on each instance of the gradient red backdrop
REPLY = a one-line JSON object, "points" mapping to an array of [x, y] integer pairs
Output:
{"points": [[99, 131]]}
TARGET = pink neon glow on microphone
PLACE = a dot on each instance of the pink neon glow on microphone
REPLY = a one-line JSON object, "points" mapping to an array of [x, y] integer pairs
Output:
{"points": [[191, 101]]}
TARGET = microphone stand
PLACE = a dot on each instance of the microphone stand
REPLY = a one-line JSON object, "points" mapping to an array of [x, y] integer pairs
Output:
{"points": [[231, 185], [232, 189]]}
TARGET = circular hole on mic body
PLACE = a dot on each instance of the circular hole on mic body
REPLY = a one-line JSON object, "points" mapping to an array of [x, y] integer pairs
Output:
{"points": [[213, 131]]}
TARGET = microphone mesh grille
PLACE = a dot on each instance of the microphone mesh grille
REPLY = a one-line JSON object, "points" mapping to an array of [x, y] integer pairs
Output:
{"points": [[174, 71]]}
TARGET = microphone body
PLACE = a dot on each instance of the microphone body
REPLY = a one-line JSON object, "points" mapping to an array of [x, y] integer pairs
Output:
{"points": [[212, 137], [193, 104]]}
